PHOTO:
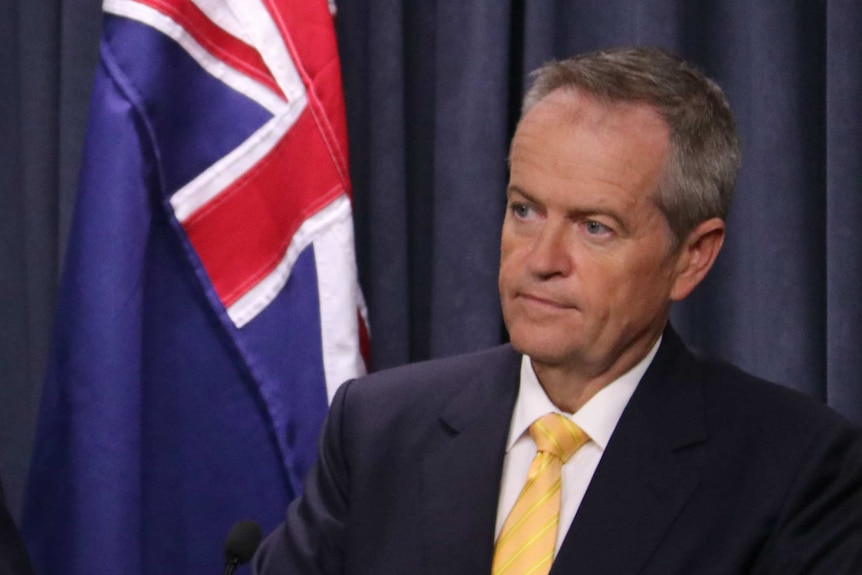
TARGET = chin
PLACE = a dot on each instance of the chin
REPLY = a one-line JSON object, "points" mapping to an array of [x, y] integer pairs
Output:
{"points": [[542, 348]]}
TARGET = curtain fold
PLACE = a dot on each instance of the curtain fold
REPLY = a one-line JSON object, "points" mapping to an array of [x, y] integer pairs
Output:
{"points": [[433, 91], [782, 299], [471, 143], [843, 195]]}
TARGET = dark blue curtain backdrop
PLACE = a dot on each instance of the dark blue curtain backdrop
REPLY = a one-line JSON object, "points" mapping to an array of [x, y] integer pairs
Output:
{"points": [[433, 90]]}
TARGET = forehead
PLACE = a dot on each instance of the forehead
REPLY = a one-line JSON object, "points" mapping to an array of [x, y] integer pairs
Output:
{"points": [[575, 108], [582, 141]]}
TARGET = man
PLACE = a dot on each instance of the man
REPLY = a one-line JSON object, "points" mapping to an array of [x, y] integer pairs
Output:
{"points": [[622, 170]]}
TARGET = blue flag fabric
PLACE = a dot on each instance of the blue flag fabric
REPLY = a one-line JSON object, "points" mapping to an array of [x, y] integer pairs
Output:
{"points": [[167, 415]]}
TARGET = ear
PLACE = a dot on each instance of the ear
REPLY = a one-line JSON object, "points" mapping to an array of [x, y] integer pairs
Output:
{"points": [[696, 256]]}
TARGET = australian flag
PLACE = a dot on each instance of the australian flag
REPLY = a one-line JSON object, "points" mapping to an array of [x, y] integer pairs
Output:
{"points": [[209, 304]]}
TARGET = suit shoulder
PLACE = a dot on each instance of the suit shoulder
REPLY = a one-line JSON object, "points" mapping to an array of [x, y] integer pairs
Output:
{"points": [[743, 397], [433, 380]]}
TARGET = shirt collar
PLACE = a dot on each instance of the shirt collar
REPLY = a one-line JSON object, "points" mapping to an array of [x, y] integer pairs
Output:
{"points": [[598, 417]]}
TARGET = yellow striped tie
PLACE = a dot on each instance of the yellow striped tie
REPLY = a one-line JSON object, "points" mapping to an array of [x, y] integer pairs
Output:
{"points": [[526, 543]]}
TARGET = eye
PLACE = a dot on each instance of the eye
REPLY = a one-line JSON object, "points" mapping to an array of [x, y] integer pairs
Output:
{"points": [[596, 228], [521, 210]]}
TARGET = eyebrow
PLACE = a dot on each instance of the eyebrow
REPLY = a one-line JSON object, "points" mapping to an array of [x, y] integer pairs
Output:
{"points": [[511, 188]]}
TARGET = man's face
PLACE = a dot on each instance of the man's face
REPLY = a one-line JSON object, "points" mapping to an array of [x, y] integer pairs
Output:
{"points": [[587, 265]]}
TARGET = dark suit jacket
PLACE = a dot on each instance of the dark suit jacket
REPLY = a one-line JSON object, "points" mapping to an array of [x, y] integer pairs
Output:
{"points": [[709, 470]]}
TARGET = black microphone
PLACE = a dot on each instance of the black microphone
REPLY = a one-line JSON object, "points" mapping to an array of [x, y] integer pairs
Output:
{"points": [[240, 545]]}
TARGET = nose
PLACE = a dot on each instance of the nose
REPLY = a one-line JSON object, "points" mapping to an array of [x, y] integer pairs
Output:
{"points": [[552, 253]]}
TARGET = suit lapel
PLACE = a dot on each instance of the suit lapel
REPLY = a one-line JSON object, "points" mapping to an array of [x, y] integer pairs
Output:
{"points": [[646, 475], [461, 473]]}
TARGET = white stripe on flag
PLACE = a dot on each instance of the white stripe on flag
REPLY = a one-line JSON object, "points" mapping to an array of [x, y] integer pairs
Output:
{"points": [[267, 39], [214, 66], [215, 179], [340, 303], [222, 16], [335, 214]]}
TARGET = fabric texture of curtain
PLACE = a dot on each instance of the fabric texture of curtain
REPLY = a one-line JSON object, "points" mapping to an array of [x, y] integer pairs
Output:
{"points": [[48, 55], [433, 95], [433, 91]]}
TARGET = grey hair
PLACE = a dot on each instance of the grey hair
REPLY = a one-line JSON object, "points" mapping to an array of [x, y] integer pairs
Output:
{"points": [[699, 177]]}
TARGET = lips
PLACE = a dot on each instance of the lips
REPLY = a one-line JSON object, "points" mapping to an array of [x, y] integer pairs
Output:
{"points": [[546, 301]]}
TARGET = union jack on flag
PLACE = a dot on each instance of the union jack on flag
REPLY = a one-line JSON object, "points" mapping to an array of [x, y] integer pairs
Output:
{"points": [[210, 304]]}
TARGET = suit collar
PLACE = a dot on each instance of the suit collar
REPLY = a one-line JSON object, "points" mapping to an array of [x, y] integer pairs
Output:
{"points": [[647, 473], [461, 473], [493, 386]]}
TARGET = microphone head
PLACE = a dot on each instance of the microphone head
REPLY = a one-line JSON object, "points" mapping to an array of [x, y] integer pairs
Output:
{"points": [[242, 541]]}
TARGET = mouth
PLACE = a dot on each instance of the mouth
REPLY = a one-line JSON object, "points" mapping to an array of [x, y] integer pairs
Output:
{"points": [[544, 301]]}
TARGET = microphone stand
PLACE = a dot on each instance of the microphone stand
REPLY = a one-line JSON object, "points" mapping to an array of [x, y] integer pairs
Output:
{"points": [[231, 565]]}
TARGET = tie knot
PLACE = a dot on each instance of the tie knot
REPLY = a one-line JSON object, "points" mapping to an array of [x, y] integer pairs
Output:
{"points": [[557, 435]]}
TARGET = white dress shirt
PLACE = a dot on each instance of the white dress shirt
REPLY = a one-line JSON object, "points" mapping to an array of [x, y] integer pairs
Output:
{"points": [[598, 418]]}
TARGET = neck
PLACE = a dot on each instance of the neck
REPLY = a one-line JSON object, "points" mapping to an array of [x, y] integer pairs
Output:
{"points": [[570, 386]]}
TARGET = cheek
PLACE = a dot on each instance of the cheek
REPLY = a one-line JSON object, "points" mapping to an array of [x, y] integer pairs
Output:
{"points": [[609, 285], [507, 244], [508, 278], [511, 260], [648, 286]]}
